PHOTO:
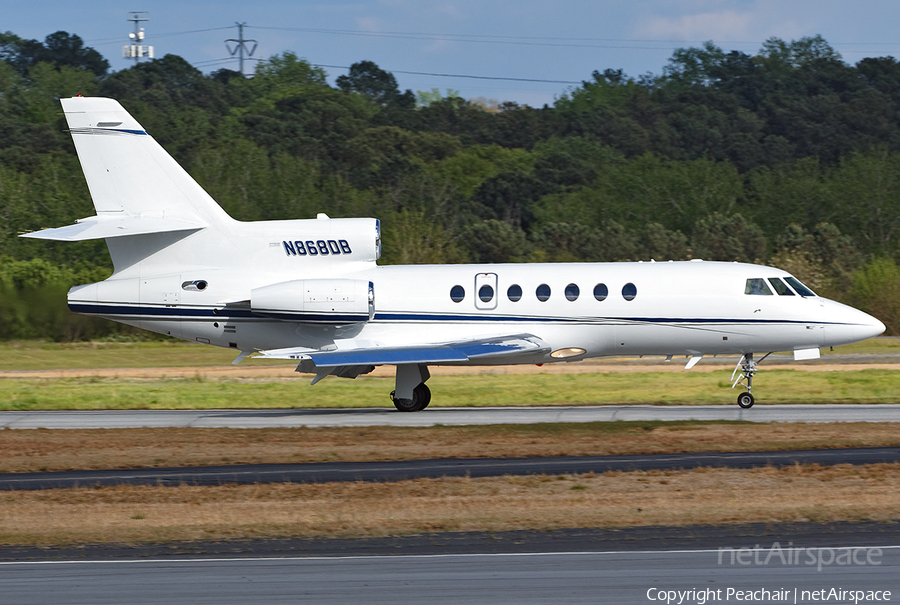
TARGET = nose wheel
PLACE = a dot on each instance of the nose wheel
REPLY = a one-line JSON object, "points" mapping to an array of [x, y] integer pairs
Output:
{"points": [[747, 368], [745, 400]]}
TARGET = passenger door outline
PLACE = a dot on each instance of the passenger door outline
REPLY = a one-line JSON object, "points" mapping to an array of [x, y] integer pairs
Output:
{"points": [[486, 279]]}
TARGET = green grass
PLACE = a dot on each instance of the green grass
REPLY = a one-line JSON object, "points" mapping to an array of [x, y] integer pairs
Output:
{"points": [[37, 355], [883, 345], [774, 386], [682, 388]]}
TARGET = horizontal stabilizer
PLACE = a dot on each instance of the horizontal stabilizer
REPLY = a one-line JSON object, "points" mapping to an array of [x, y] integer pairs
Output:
{"points": [[99, 227], [495, 349]]}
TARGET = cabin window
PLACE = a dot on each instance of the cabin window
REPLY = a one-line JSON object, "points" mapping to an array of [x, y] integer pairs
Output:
{"points": [[457, 293], [800, 288], [780, 287], [757, 285], [601, 292], [543, 292], [486, 293], [514, 293], [629, 291], [572, 292]]}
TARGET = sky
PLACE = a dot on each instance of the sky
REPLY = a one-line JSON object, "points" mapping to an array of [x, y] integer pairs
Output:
{"points": [[526, 51]]}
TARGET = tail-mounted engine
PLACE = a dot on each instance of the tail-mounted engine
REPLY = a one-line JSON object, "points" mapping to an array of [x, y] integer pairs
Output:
{"points": [[333, 301]]}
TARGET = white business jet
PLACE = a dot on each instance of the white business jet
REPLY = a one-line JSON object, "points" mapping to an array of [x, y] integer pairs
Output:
{"points": [[311, 290]]}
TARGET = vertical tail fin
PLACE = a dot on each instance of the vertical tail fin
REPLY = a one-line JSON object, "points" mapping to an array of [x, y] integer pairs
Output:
{"points": [[128, 173]]}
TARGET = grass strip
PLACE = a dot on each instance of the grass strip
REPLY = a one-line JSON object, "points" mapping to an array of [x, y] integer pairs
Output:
{"points": [[59, 450], [40, 355], [699, 496], [774, 386]]}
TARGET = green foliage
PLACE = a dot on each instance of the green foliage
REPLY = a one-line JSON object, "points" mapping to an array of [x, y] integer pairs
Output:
{"points": [[33, 301], [821, 258], [789, 154], [494, 241], [424, 98], [282, 76], [471, 166], [728, 238], [369, 80], [411, 239], [611, 89], [60, 49], [876, 290]]}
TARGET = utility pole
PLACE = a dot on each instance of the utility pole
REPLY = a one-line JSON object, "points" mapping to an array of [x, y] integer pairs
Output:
{"points": [[240, 46], [137, 49]]}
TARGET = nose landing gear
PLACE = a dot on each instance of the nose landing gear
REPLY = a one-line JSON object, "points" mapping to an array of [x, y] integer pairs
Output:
{"points": [[747, 367]]}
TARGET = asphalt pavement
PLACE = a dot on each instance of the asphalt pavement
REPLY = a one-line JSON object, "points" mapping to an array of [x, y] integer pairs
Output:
{"points": [[359, 417]]}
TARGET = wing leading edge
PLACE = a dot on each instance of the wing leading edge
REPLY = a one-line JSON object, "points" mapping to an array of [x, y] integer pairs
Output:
{"points": [[352, 362]]}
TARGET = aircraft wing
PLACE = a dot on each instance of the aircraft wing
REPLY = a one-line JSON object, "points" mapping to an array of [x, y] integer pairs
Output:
{"points": [[496, 349]]}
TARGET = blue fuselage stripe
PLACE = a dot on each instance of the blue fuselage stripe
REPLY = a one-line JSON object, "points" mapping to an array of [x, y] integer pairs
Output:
{"points": [[224, 313]]}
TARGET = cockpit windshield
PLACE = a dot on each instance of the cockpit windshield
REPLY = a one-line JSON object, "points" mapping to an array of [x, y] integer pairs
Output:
{"points": [[758, 286], [799, 287], [780, 287]]}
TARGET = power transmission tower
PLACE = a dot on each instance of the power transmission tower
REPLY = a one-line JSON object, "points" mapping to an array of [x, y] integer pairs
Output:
{"points": [[240, 46], [137, 49]]}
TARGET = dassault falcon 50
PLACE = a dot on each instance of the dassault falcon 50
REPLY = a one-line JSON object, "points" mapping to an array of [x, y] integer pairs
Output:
{"points": [[310, 290]]}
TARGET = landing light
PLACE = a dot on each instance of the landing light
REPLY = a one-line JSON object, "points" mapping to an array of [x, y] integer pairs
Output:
{"points": [[564, 353]]}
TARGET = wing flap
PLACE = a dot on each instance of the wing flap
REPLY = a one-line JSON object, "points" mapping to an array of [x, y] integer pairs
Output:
{"points": [[495, 349]]}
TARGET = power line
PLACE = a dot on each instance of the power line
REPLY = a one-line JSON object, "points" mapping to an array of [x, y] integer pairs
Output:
{"points": [[101, 41], [573, 42], [211, 61], [514, 40], [626, 43], [437, 75]]}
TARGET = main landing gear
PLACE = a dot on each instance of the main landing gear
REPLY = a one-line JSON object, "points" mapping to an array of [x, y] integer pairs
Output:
{"points": [[411, 394], [420, 399], [747, 367]]}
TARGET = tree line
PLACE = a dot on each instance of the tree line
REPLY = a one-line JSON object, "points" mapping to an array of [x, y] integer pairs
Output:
{"points": [[789, 157]]}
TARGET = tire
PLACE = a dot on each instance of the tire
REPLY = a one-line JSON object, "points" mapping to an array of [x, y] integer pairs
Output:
{"points": [[421, 399], [422, 396], [745, 401]]}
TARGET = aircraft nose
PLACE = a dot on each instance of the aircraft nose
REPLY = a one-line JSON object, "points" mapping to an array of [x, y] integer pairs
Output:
{"points": [[870, 328], [848, 325]]}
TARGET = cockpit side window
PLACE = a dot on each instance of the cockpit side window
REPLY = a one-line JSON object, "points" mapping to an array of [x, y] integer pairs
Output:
{"points": [[800, 288], [780, 287], [757, 285]]}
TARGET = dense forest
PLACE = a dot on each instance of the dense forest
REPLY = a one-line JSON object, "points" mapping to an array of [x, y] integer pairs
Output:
{"points": [[789, 157]]}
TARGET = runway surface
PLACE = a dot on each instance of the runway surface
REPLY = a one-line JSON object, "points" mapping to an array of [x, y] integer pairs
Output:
{"points": [[520, 578], [359, 417], [324, 472]]}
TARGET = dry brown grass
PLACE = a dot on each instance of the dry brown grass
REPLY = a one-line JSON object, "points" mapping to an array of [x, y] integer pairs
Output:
{"points": [[135, 514], [48, 450]]}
